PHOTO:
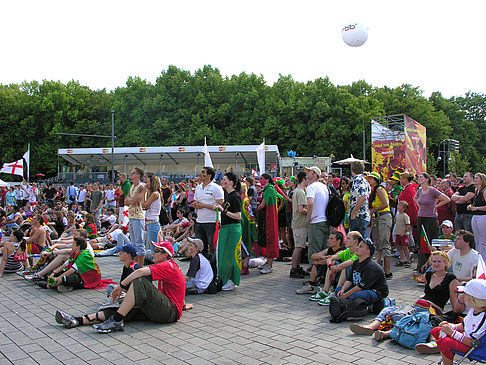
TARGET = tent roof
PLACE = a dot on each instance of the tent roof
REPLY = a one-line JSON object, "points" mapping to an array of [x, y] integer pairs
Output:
{"points": [[168, 155]]}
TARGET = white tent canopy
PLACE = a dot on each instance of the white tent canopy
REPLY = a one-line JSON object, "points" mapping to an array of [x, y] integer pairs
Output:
{"points": [[176, 159]]}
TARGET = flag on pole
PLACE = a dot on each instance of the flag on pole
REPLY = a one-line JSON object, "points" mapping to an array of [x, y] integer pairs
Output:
{"points": [[207, 157], [261, 157], [481, 270], [26, 157], [424, 241], [14, 168]]}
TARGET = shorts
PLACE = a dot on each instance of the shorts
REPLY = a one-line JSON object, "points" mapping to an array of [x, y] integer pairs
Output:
{"points": [[401, 240], [300, 237]]}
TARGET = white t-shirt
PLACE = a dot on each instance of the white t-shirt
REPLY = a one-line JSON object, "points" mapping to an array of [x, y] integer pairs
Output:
{"points": [[318, 191], [208, 195], [81, 196], [462, 266], [110, 195], [474, 324], [204, 275], [115, 233]]}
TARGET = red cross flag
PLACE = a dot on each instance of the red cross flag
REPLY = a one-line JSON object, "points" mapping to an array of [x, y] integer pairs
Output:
{"points": [[14, 168], [481, 270]]}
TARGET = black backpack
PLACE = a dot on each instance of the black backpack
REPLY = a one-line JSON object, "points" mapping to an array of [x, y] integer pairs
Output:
{"points": [[335, 210], [342, 309]]}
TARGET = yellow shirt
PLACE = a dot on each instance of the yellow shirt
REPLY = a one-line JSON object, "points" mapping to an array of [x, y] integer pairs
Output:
{"points": [[135, 211], [377, 202]]}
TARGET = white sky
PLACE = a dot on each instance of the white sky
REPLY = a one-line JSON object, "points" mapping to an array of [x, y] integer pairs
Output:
{"points": [[435, 45]]}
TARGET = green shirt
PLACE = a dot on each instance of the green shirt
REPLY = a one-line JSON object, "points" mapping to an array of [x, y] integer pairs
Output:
{"points": [[346, 255], [126, 187]]}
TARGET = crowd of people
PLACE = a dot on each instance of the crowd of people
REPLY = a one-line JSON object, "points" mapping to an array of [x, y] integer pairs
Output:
{"points": [[226, 225]]}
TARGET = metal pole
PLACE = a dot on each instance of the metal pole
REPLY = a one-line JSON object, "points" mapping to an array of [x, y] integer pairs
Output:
{"points": [[112, 146], [362, 121]]}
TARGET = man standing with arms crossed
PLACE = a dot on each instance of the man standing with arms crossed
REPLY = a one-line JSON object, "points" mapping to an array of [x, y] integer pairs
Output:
{"points": [[207, 196], [317, 200], [136, 215], [462, 198]]}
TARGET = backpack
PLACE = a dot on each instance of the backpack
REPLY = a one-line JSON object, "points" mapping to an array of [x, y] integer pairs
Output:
{"points": [[335, 210], [412, 329], [342, 309]]}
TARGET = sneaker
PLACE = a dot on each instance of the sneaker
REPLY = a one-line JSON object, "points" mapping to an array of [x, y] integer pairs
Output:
{"points": [[229, 285], [296, 274], [319, 296], [32, 277], [427, 348], [266, 269], [42, 284], [64, 289], [325, 302], [389, 276], [67, 320], [23, 272], [359, 329], [307, 289], [109, 325]]}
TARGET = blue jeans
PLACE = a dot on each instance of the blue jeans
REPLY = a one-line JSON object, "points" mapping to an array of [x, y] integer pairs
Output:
{"points": [[191, 286], [390, 310], [121, 240], [368, 296], [152, 233], [136, 228], [463, 221], [360, 225]]}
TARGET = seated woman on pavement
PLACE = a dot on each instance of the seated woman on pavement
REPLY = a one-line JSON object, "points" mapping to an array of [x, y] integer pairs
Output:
{"points": [[320, 269], [90, 226], [177, 225], [14, 253], [439, 289], [340, 262], [143, 301]]}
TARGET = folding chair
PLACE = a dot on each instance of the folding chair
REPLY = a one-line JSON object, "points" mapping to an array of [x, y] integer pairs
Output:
{"points": [[477, 352]]}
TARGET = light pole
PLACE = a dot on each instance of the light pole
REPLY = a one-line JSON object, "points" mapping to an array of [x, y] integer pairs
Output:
{"points": [[447, 146]]}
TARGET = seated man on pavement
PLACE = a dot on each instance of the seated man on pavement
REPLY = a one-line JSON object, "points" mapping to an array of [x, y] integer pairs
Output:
{"points": [[108, 220], [320, 267], [81, 270], [177, 225], [200, 274], [340, 262], [464, 258], [111, 243], [143, 301], [367, 279]]}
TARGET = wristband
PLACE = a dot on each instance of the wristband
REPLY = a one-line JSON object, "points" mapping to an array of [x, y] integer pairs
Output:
{"points": [[457, 336], [124, 287]]}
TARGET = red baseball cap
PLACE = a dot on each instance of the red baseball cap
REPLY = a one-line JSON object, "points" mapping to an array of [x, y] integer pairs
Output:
{"points": [[165, 245]]}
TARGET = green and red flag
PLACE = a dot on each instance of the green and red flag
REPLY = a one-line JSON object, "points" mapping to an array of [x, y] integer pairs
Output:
{"points": [[248, 225], [271, 221], [87, 268], [424, 241]]}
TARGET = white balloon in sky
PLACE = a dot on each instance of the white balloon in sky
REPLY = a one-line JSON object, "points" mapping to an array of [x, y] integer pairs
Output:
{"points": [[354, 34]]}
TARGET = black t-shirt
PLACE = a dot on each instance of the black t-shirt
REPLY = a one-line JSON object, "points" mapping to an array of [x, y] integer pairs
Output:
{"points": [[368, 275], [234, 201], [440, 294], [194, 267], [50, 193], [128, 270], [463, 190]]}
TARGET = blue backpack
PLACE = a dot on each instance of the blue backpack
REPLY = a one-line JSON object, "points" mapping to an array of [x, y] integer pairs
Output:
{"points": [[412, 329]]}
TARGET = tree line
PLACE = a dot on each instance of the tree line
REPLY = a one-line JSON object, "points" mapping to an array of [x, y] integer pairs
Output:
{"points": [[181, 108]]}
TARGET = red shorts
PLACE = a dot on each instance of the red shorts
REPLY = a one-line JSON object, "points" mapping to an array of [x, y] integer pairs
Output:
{"points": [[401, 240]]}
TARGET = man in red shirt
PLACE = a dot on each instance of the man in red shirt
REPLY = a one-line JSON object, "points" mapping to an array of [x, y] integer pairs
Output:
{"points": [[143, 301]]}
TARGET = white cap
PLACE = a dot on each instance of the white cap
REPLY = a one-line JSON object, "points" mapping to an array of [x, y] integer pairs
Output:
{"points": [[475, 288]]}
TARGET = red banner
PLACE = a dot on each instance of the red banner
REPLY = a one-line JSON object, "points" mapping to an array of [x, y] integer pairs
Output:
{"points": [[415, 146], [387, 156]]}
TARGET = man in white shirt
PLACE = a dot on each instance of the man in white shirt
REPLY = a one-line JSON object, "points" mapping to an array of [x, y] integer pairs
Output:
{"points": [[110, 197], [317, 199], [464, 259], [81, 198], [207, 196]]}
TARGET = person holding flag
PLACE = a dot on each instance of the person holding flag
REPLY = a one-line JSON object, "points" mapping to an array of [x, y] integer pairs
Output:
{"points": [[229, 237]]}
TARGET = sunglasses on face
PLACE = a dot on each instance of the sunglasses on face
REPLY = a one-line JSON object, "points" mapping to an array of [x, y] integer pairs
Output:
{"points": [[158, 250]]}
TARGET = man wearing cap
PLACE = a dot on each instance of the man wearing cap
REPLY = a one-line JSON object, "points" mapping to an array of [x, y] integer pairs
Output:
{"points": [[366, 280], [143, 301], [208, 195], [359, 213], [200, 273], [317, 196], [396, 189]]}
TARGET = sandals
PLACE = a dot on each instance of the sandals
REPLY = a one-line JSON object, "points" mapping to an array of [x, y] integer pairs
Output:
{"points": [[380, 335]]}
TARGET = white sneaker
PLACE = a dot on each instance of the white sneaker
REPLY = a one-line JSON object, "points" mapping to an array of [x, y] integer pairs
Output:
{"points": [[266, 269], [229, 285], [307, 289]]}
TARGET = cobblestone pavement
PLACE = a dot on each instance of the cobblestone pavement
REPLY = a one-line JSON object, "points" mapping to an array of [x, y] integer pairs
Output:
{"points": [[262, 322]]}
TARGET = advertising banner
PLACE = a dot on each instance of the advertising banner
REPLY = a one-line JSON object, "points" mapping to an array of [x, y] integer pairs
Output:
{"points": [[387, 156], [415, 146]]}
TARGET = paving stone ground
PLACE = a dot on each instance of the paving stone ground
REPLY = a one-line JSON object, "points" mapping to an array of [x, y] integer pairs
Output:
{"points": [[262, 322]]}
